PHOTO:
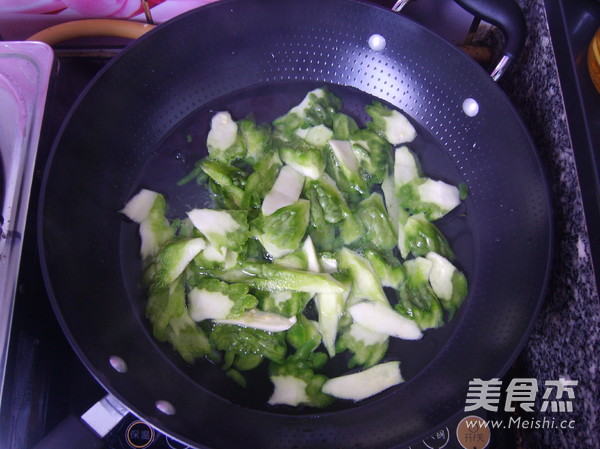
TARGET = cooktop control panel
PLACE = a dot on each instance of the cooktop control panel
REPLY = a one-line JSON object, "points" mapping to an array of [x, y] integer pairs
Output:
{"points": [[468, 432]]}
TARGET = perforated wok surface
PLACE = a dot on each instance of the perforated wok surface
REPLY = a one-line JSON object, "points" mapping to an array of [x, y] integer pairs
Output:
{"points": [[261, 55]]}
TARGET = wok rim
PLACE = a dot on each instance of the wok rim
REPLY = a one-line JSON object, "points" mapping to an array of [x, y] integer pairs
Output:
{"points": [[97, 372]]}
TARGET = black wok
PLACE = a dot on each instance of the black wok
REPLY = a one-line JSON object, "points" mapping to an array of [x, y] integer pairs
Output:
{"points": [[129, 130]]}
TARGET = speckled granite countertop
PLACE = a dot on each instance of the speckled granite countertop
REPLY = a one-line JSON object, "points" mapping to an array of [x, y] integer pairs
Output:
{"points": [[565, 341]]}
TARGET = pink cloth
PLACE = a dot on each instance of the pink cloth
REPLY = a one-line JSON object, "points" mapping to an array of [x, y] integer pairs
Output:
{"points": [[31, 6], [162, 10], [171, 8], [103, 8]]}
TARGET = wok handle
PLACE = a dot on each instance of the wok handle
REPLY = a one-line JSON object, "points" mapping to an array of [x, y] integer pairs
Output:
{"points": [[508, 17], [71, 433], [91, 28], [86, 432]]}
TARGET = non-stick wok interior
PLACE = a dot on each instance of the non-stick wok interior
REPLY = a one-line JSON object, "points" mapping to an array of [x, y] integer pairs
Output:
{"points": [[126, 132], [186, 144]]}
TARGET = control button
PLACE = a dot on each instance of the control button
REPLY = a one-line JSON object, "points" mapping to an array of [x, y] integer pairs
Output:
{"points": [[438, 440], [139, 435], [472, 432]]}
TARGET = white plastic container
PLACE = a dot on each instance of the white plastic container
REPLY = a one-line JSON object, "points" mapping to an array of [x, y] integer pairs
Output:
{"points": [[25, 69]]}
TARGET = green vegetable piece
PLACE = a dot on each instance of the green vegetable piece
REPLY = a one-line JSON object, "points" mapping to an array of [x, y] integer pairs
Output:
{"points": [[321, 231], [241, 362], [330, 199], [223, 174], [303, 337], [167, 312], [403, 247], [286, 125], [237, 377], [421, 236], [139, 206], [385, 320], [365, 283], [286, 303], [224, 197], [211, 257], [195, 174], [260, 182], [247, 362], [245, 340], [406, 166], [256, 139], [390, 124], [328, 262], [368, 347], [315, 136], [222, 228], [460, 290], [374, 217], [296, 260], [463, 191], [387, 267], [330, 308], [296, 383], [432, 198], [164, 305], [285, 191], [230, 180], [214, 299], [172, 260], [272, 277], [417, 298], [449, 284], [231, 275], [149, 208], [373, 153], [322, 109], [392, 204], [188, 339], [258, 319], [149, 270], [186, 229], [366, 383], [284, 229], [343, 126], [224, 142], [318, 107], [155, 231], [312, 259], [254, 251], [351, 230], [344, 168], [305, 159]]}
